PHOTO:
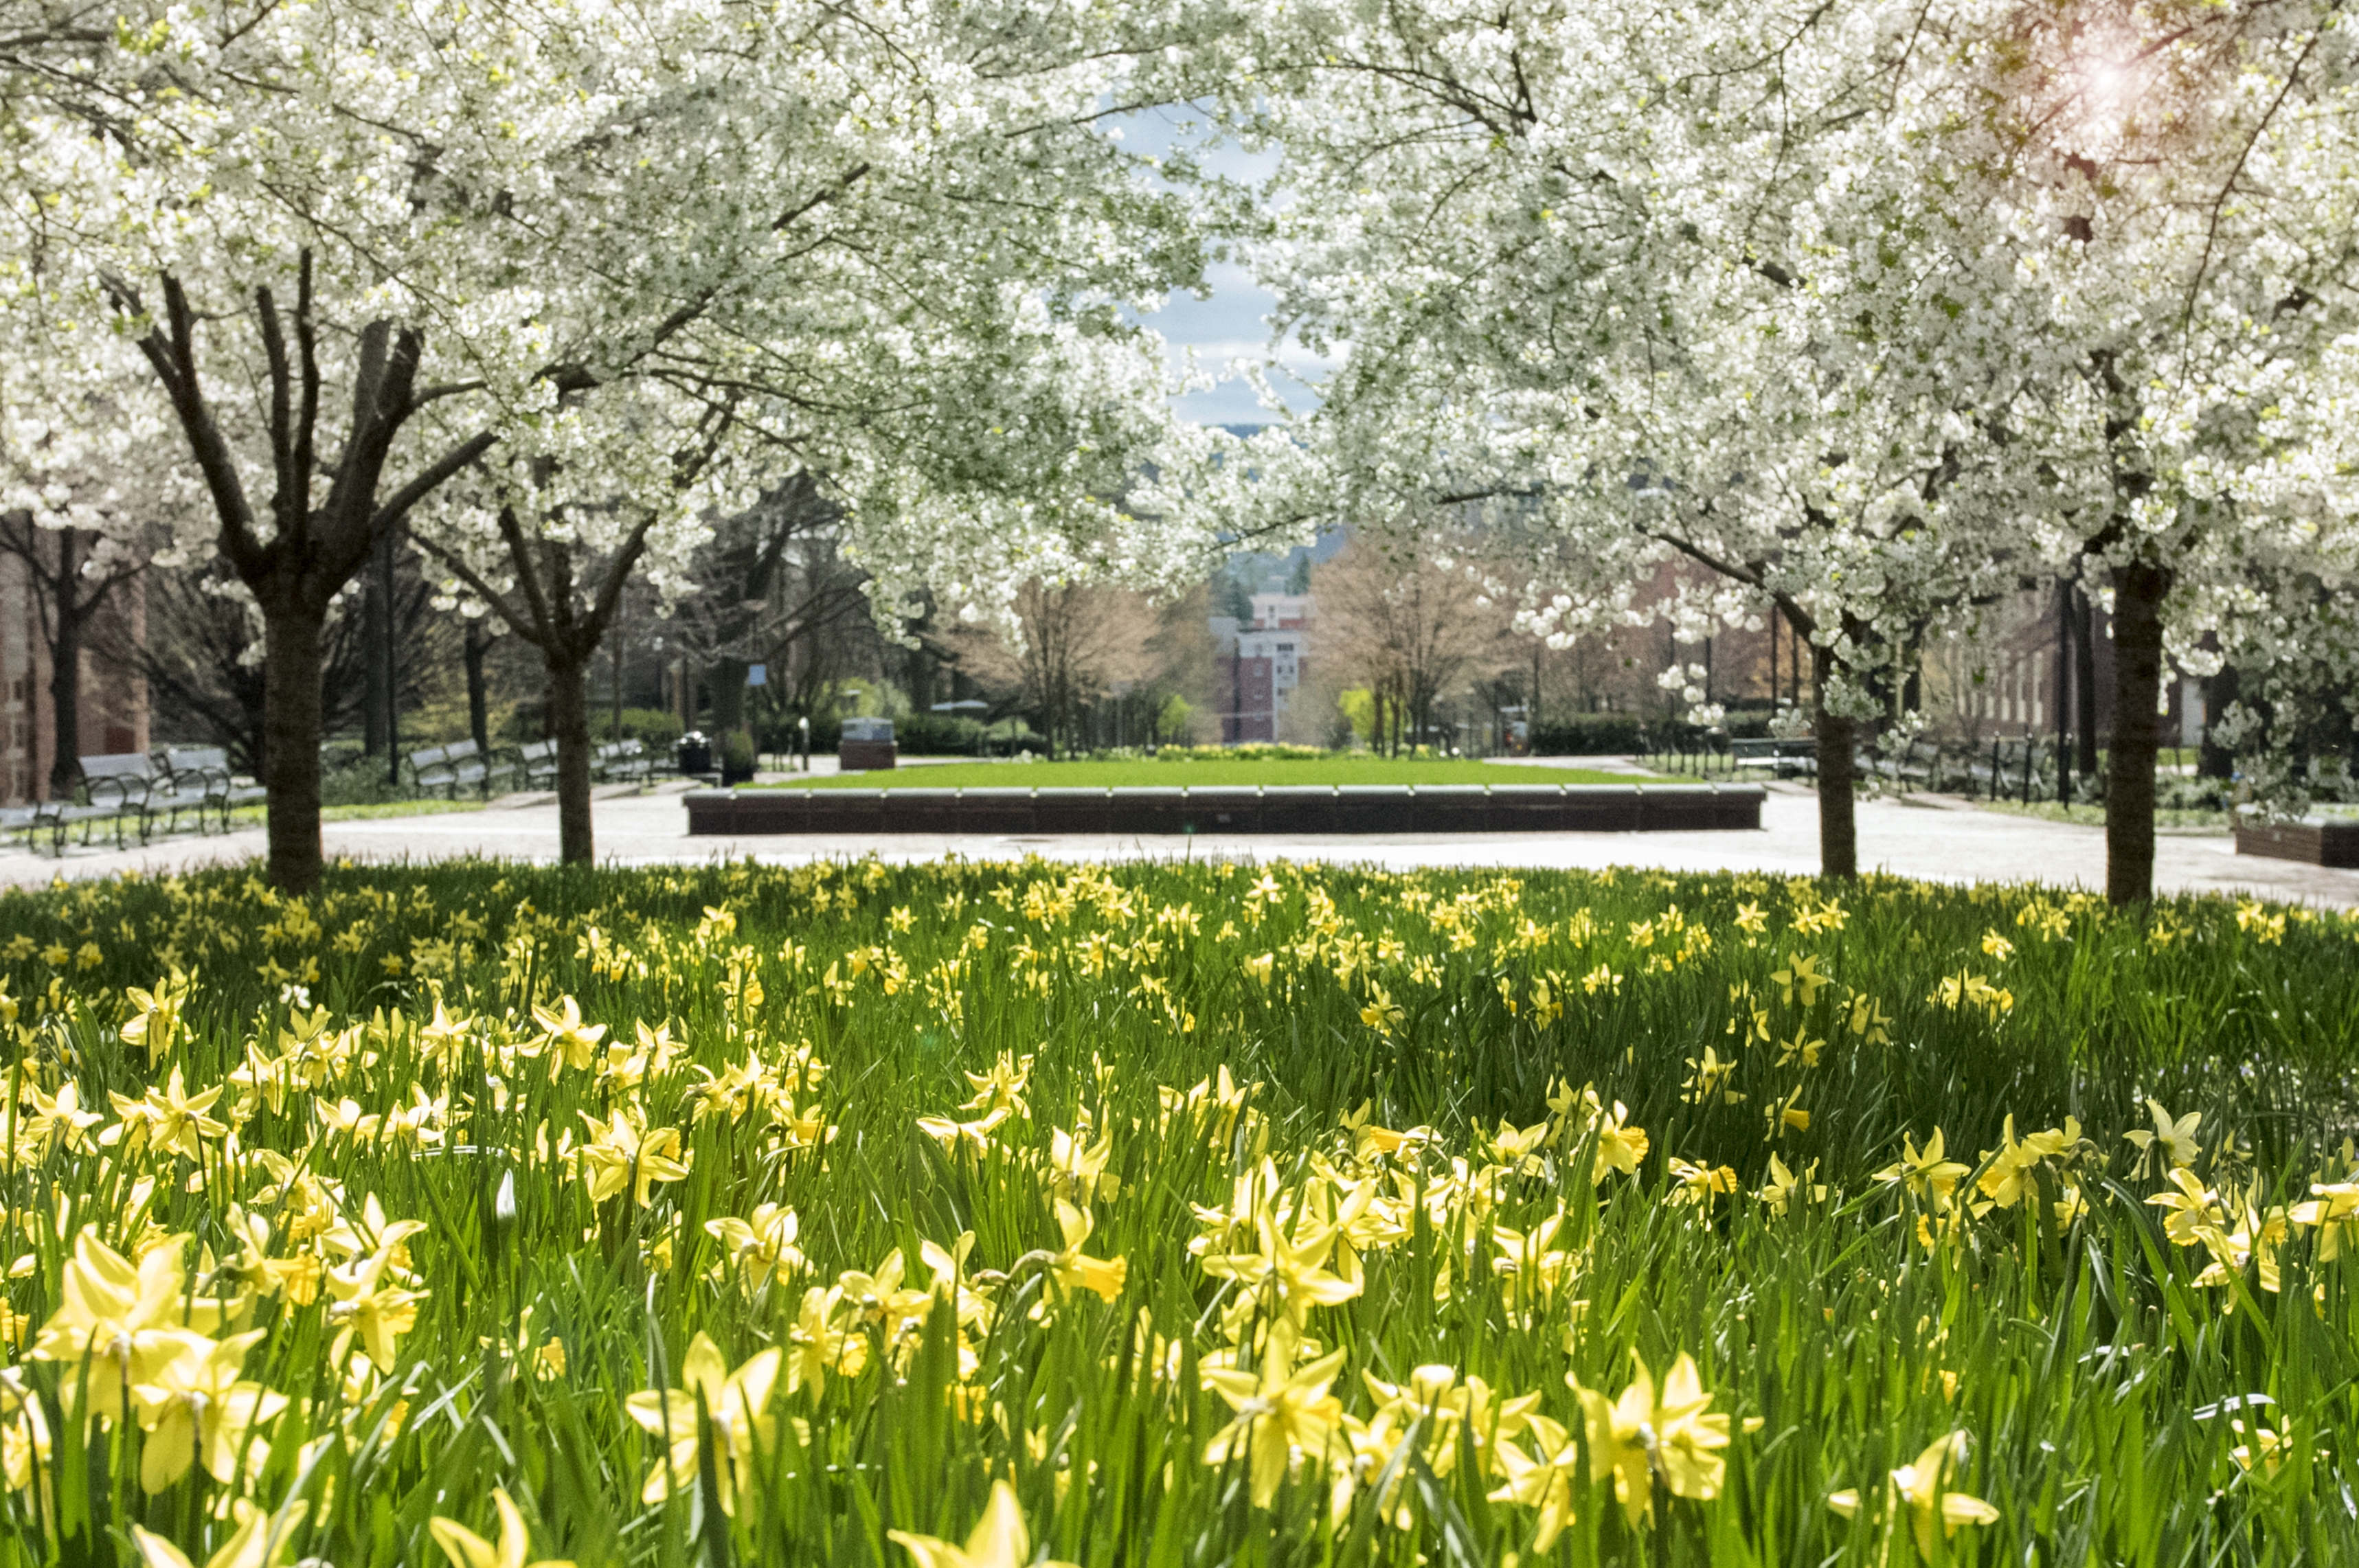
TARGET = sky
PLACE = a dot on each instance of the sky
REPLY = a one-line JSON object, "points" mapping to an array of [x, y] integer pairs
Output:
{"points": [[1231, 324]]}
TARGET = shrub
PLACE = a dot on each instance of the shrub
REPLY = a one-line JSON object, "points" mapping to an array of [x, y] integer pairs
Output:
{"points": [[1590, 735]]}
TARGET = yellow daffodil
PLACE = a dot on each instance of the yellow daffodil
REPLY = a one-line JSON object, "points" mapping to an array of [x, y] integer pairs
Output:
{"points": [[624, 1154], [1544, 1484], [1919, 1486], [155, 1024], [262, 1539], [369, 1310], [1072, 1270], [821, 1343], [1784, 1188], [1280, 1412], [735, 1405], [125, 1321], [465, 1549], [1641, 1437], [1801, 974], [1925, 1174], [564, 1037], [197, 1410], [167, 1118], [760, 1246], [999, 1541], [2174, 1139]]}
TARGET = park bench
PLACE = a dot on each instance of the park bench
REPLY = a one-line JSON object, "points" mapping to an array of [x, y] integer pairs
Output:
{"points": [[460, 765], [26, 819], [202, 776], [115, 788], [1784, 757], [623, 760], [537, 763]]}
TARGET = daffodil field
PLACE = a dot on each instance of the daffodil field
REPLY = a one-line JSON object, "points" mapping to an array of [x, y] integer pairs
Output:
{"points": [[980, 1213]]}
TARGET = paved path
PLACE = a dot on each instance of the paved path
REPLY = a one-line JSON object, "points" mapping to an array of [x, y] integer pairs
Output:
{"points": [[1946, 841]]}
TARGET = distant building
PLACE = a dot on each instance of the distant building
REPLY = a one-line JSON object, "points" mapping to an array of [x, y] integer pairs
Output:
{"points": [[113, 710], [1261, 663]]}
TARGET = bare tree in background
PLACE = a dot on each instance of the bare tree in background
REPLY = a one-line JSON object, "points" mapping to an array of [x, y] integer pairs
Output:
{"points": [[73, 574], [1409, 628], [1078, 639], [202, 661]]}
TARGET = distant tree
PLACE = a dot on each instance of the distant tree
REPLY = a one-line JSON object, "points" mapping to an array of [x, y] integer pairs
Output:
{"points": [[1408, 627], [1074, 642], [1230, 597], [202, 661], [73, 574]]}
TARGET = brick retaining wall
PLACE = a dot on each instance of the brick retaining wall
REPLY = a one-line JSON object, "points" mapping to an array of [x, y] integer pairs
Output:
{"points": [[2315, 842], [1276, 808]]}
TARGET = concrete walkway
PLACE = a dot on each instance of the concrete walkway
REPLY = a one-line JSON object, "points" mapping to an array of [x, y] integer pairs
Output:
{"points": [[1923, 836]]}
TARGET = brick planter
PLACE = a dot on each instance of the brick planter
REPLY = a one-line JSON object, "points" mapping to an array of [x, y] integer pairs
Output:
{"points": [[1305, 809], [2315, 842]]}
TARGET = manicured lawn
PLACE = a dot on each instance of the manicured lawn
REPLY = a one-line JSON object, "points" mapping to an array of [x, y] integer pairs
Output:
{"points": [[1183, 1214], [1205, 773]]}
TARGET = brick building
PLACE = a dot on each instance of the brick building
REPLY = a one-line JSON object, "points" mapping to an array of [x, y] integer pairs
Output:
{"points": [[113, 709], [1261, 662]]}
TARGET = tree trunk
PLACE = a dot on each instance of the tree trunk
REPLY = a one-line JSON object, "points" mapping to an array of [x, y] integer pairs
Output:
{"points": [[617, 693], [568, 716], [728, 675], [2138, 591], [2063, 684], [2084, 680], [1838, 738], [479, 706], [2217, 761], [65, 673], [376, 655], [290, 743]]}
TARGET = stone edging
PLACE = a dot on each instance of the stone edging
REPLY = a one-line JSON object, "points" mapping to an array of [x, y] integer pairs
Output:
{"points": [[2315, 842], [1278, 808]]}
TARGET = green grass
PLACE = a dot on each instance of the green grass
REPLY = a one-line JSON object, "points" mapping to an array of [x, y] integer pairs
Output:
{"points": [[1232, 1038], [1204, 773], [255, 816], [2090, 814]]}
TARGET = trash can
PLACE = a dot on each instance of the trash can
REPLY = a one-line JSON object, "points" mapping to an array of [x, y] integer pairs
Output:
{"points": [[694, 754], [866, 746]]}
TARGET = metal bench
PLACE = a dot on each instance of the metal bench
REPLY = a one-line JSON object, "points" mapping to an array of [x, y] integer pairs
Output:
{"points": [[537, 763], [114, 789], [202, 774], [623, 760], [26, 819], [456, 766], [1784, 757]]}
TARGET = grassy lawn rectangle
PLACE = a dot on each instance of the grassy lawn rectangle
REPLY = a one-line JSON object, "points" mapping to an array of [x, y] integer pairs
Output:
{"points": [[1146, 773]]}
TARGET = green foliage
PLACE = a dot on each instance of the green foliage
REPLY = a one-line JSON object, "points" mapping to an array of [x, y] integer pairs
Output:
{"points": [[1198, 1017]]}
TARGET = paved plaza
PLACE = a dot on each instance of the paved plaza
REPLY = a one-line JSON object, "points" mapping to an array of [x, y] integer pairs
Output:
{"points": [[1929, 836]]}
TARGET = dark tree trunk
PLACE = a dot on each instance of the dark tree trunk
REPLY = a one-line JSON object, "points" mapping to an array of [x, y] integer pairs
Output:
{"points": [[2217, 761], [569, 717], [2138, 594], [1838, 738], [728, 677], [2064, 623], [376, 658], [65, 670], [2084, 680], [290, 743], [617, 693], [479, 706]]}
